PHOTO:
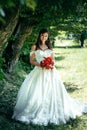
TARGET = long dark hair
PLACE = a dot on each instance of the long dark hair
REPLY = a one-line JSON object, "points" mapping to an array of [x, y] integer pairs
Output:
{"points": [[38, 42]]}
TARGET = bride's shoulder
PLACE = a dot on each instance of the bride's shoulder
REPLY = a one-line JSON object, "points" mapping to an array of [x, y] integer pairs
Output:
{"points": [[33, 48]]}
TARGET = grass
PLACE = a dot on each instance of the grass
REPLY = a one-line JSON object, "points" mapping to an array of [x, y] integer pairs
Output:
{"points": [[71, 63], [72, 66]]}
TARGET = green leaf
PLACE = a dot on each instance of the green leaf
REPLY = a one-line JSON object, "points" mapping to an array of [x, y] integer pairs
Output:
{"points": [[31, 4]]}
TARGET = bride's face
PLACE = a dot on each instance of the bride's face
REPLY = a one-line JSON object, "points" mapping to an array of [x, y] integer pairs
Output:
{"points": [[44, 37]]}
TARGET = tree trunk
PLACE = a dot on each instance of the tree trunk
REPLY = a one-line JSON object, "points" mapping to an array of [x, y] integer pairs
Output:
{"points": [[6, 33], [83, 37], [17, 45], [82, 42]]}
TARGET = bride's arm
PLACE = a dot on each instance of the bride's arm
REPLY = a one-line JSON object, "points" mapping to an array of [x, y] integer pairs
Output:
{"points": [[32, 57], [53, 57]]}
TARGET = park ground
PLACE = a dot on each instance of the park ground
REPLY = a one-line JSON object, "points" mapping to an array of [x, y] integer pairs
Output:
{"points": [[71, 63]]}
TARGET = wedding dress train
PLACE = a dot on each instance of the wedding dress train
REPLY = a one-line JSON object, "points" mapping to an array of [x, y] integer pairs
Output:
{"points": [[43, 99]]}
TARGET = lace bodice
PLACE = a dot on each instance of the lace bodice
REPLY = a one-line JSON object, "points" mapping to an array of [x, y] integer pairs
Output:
{"points": [[40, 54]]}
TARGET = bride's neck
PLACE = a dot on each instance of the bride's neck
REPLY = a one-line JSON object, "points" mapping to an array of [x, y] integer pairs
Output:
{"points": [[43, 44]]}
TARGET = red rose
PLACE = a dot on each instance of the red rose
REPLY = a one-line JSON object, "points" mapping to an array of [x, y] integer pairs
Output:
{"points": [[42, 63], [48, 63], [47, 66]]}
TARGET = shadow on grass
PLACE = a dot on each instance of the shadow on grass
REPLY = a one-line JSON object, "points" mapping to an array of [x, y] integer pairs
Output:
{"points": [[70, 87], [73, 47], [59, 58], [59, 67]]}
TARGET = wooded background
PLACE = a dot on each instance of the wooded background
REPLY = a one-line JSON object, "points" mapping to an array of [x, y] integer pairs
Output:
{"points": [[21, 20]]}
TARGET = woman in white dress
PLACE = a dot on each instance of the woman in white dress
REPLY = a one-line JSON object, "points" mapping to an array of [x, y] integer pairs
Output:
{"points": [[42, 98]]}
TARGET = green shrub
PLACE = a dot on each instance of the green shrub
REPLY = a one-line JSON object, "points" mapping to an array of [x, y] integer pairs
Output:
{"points": [[1, 70]]}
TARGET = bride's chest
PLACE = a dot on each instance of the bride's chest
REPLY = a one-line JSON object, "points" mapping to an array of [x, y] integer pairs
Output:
{"points": [[40, 53]]}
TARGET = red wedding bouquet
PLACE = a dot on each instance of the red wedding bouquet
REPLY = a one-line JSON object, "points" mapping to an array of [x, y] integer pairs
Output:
{"points": [[47, 63]]}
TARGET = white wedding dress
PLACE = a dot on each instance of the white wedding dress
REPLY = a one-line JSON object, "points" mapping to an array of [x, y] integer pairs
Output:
{"points": [[43, 99]]}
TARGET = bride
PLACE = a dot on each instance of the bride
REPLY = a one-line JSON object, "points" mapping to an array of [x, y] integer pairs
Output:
{"points": [[42, 98]]}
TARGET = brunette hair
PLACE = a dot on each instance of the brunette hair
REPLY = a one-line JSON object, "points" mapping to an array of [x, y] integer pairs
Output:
{"points": [[38, 42]]}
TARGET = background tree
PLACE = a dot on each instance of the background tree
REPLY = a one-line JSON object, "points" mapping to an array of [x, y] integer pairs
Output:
{"points": [[31, 16]]}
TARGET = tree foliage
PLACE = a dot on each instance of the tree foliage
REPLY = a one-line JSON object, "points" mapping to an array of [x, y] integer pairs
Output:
{"points": [[55, 15]]}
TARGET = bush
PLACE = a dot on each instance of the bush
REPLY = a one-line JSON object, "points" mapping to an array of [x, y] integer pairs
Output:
{"points": [[1, 70]]}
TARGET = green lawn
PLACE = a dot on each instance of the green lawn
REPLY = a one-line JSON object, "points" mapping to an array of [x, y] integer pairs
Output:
{"points": [[71, 63], [72, 66]]}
